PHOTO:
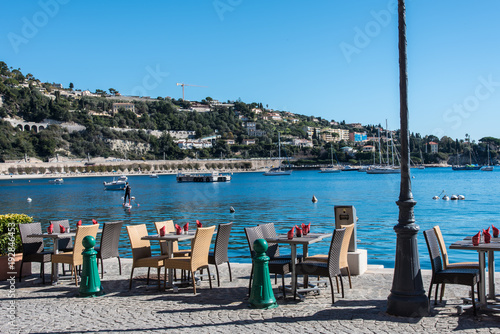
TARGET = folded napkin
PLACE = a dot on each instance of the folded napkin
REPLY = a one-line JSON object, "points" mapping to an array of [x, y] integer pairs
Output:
{"points": [[178, 229], [61, 228], [475, 239], [94, 221], [50, 229], [495, 231], [79, 223], [304, 229], [198, 224], [290, 233], [299, 231], [488, 229], [186, 227], [162, 231], [308, 228], [486, 236]]}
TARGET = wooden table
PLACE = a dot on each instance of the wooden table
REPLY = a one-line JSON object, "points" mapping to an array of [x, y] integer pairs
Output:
{"points": [[483, 249], [305, 241], [170, 238]]}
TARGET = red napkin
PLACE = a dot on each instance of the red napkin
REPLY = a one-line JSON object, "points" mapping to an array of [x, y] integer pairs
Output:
{"points": [[186, 227], [308, 228], [198, 224], [290, 233], [61, 228], [488, 230], [299, 231], [304, 229], [178, 229], [486, 236], [162, 231], [79, 223], [50, 229], [94, 221], [475, 239], [495, 231]]}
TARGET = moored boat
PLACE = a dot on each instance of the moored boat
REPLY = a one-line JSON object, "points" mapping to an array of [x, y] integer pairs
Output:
{"points": [[203, 177], [116, 184], [56, 181]]}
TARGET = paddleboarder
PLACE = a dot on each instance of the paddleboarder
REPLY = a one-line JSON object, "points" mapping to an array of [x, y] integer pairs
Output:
{"points": [[127, 193]]}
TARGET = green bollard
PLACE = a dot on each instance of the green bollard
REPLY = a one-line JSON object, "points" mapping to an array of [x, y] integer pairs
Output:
{"points": [[261, 295], [90, 285]]}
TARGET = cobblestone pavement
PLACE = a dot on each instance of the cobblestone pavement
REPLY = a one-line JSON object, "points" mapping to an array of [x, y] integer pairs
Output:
{"points": [[58, 309]]}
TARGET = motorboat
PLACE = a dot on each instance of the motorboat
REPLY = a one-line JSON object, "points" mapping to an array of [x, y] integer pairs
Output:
{"points": [[349, 169], [467, 167], [153, 176], [118, 184], [384, 170], [56, 181], [203, 177]]}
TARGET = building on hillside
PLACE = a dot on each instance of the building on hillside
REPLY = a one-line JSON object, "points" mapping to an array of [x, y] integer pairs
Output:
{"points": [[230, 141], [434, 147], [333, 123], [358, 137], [248, 141], [243, 118], [355, 125], [274, 116], [190, 144], [368, 148], [58, 85], [257, 110], [126, 106], [198, 107], [302, 142], [309, 130]]}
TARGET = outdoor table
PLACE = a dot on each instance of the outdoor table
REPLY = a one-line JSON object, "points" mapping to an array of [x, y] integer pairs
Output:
{"points": [[482, 249], [170, 238], [305, 241]]}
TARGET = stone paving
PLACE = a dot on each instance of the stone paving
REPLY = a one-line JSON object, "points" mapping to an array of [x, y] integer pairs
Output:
{"points": [[58, 309]]}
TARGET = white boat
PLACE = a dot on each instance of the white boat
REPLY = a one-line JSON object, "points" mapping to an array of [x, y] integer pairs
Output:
{"points": [[331, 169], [203, 177], [56, 181], [277, 171], [384, 170], [488, 168], [116, 184], [153, 176]]}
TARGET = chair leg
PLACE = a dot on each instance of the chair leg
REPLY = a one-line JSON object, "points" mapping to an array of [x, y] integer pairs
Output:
{"points": [[250, 283], [473, 300], [294, 291], [230, 275], [131, 275], [42, 270], [442, 292], [21, 272], [342, 285], [331, 289], [337, 280], [349, 275], [76, 278], [147, 281], [430, 291], [436, 294], [120, 265], [217, 271], [194, 282], [102, 269], [210, 276], [283, 284], [158, 274]]}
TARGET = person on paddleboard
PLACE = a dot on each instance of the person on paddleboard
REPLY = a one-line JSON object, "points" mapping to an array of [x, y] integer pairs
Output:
{"points": [[127, 193]]}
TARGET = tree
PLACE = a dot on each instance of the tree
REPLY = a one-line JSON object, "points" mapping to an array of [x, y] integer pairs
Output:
{"points": [[71, 86]]}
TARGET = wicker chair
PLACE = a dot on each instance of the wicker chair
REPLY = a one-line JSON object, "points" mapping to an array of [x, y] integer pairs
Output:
{"points": [[344, 265], [75, 258], [273, 250], [277, 267], [141, 252], [199, 255], [330, 268], [461, 276], [33, 248], [219, 254], [108, 247], [444, 254], [169, 228]]}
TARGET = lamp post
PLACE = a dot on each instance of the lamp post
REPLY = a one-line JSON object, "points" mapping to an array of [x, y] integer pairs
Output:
{"points": [[407, 297]]}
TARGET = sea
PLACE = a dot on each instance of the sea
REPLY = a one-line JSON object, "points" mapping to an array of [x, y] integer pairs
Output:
{"points": [[284, 200]]}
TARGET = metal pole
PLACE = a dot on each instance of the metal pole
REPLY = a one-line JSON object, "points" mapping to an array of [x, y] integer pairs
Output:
{"points": [[407, 297]]}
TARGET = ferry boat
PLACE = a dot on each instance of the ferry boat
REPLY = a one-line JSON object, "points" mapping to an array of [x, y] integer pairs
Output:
{"points": [[116, 184], [203, 177]]}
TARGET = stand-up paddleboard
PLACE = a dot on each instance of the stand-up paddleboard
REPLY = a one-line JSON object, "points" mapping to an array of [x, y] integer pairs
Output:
{"points": [[127, 206]]}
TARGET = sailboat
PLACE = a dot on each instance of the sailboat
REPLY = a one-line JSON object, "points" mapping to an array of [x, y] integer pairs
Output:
{"points": [[331, 169], [277, 171], [470, 166], [388, 169], [421, 166], [488, 168]]}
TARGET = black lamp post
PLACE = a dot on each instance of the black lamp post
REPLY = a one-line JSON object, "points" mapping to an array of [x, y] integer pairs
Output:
{"points": [[407, 296]]}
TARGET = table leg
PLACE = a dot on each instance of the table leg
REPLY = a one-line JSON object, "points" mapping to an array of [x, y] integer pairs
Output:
{"points": [[170, 270], [491, 275], [294, 259], [55, 266], [482, 283]]}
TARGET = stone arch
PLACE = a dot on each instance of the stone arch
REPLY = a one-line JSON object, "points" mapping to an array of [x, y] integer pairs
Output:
{"points": [[26, 127], [20, 127], [34, 128], [41, 127]]}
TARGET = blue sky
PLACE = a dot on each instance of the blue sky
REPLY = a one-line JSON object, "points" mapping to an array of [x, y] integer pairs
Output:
{"points": [[334, 59]]}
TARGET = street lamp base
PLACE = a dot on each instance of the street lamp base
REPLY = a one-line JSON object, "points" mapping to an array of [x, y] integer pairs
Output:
{"points": [[408, 305]]}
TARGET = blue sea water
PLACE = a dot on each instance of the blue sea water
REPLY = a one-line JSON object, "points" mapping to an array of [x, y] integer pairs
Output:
{"points": [[284, 200]]}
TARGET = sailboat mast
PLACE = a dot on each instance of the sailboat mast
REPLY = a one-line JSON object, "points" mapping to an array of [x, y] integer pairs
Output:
{"points": [[279, 147], [387, 140], [379, 149]]}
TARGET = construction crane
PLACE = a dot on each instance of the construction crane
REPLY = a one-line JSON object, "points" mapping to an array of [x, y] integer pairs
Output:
{"points": [[183, 84]]}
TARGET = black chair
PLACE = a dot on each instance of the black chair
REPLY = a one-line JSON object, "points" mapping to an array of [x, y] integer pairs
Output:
{"points": [[330, 268], [110, 240], [462, 276], [273, 251], [279, 267], [219, 255], [63, 244], [33, 248]]}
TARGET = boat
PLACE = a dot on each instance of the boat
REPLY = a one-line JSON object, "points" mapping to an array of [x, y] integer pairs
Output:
{"points": [[331, 169], [56, 181], [421, 166], [153, 176], [203, 177], [278, 171], [387, 169], [487, 168], [470, 165], [116, 184], [349, 168]]}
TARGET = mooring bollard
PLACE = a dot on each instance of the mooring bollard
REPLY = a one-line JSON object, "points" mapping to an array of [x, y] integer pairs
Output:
{"points": [[90, 285], [261, 295]]}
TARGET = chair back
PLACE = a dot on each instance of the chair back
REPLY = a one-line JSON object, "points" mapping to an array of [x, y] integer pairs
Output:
{"points": [[345, 245], [169, 228], [201, 246], [433, 247], [62, 243], [269, 231], [82, 232], [222, 243], [442, 246], [335, 250], [140, 248], [31, 245], [110, 239], [253, 233]]}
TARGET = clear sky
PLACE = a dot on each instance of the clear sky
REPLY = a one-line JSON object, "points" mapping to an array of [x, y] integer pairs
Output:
{"points": [[336, 59]]}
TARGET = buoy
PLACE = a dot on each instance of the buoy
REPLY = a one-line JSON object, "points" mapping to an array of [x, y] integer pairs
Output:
{"points": [[232, 210], [435, 197], [446, 198], [461, 197], [454, 197], [314, 199], [29, 199]]}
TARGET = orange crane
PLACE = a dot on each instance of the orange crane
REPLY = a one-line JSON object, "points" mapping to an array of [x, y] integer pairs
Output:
{"points": [[183, 84]]}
